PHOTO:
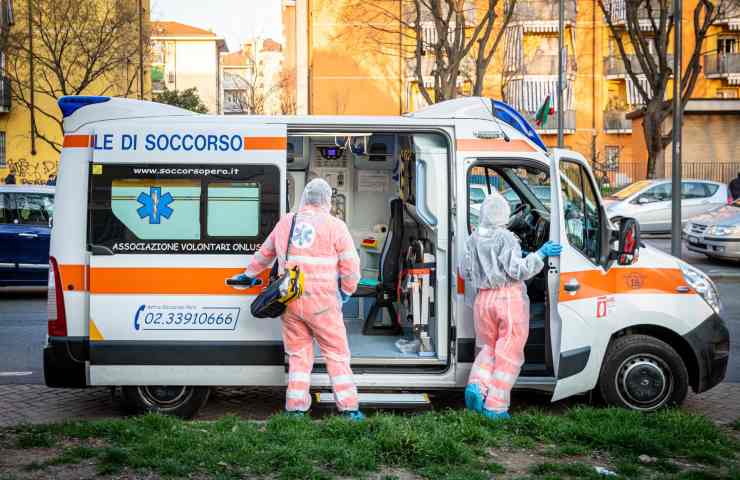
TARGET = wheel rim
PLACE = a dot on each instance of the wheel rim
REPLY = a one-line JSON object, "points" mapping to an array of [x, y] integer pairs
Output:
{"points": [[165, 397], [644, 382]]}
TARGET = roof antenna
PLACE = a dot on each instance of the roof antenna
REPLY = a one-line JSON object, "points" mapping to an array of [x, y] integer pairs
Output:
{"points": [[498, 122]]}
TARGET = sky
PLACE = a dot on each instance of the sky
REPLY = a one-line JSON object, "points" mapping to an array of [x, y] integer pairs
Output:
{"points": [[235, 20]]}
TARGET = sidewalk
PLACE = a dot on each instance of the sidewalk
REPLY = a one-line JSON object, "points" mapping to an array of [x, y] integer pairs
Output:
{"points": [[21, 404]]}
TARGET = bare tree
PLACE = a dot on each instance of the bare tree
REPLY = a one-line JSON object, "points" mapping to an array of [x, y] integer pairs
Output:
{"points": [[287, 89], [77, 47], [648, 25], [444, 41]]}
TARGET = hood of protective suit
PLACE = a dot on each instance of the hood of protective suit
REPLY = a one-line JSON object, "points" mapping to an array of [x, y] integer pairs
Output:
{"points": [[317, 194], [494, 213]]}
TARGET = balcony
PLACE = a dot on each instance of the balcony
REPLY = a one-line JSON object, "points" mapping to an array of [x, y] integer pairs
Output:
{"points": [[545, 65], [4, 95], [722, 65], [618, 11], [542, 15], [729, 16], [616, 121], [551, 128], [614, 66]]}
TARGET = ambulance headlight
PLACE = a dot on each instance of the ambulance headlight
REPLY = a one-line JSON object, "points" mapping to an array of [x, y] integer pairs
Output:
{"points": [[703, 285]]}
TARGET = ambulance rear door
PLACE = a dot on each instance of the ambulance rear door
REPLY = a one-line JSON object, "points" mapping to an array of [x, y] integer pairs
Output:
{"points": [[579, 281], [173, 211]]}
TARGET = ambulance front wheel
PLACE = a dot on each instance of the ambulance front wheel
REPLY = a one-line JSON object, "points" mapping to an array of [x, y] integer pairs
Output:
{"points": [[179, 401], [643, 373]]}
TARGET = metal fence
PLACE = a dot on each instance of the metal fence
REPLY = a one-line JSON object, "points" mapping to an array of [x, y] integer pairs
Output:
{"points": [[721, 63], [615, 177], [613, 64], [542, 10]]}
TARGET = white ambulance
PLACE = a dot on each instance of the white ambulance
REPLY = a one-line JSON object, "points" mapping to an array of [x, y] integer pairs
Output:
{"points": [[157, 207]]}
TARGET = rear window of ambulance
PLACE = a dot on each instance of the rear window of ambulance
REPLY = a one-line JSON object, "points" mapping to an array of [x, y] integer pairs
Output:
{"points": [[182, 208]]}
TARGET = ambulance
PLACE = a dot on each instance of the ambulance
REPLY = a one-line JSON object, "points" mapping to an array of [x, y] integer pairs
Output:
{"points": [[157, 207]]}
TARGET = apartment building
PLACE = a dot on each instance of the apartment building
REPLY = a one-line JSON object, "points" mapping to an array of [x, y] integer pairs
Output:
{"points": [[335, 75], [251, 78], [184, 56]]}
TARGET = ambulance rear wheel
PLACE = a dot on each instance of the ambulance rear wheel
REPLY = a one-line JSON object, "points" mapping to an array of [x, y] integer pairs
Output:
{"points": [[179, 401], [643, 373]]}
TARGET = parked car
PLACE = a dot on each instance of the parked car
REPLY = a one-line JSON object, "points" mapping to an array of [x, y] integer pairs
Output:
{"points": [[25, 227], [717, 233], [649, 201]]}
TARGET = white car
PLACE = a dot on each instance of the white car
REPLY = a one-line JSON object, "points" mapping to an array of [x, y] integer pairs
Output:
{"points": [[649, 201]]}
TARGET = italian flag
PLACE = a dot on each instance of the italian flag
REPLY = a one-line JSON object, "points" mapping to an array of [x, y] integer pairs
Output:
{"points": [[540, 118]]}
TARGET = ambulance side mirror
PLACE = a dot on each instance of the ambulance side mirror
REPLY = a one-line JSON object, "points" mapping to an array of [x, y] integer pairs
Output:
{"points": [[628, 241]]}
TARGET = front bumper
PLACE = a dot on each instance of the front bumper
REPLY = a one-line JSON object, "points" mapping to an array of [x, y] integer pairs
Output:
{"points": [[710, 342], [64, 362], [715, 247]]}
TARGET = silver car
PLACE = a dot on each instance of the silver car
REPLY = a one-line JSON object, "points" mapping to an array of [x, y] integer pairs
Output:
{"points": [[715, 234], [649, 201]]}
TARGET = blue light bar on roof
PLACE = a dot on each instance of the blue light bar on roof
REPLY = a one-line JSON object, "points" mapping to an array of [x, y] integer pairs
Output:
{"points": [[508, 114], [71, 103]]}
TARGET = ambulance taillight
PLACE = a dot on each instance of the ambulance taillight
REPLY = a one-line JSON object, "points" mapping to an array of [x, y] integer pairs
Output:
{"points": [[55, 302]]}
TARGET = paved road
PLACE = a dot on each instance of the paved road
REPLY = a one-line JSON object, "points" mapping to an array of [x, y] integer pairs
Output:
{"points": [[714, 268], [23, 326]]}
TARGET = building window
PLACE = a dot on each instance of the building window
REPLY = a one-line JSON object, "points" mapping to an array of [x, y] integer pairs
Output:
{"points": [[3, 162], [726, 45], [612, 157]]}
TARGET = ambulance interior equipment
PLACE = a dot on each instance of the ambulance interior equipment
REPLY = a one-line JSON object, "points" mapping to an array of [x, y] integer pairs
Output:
{"points": [[373, 177]]}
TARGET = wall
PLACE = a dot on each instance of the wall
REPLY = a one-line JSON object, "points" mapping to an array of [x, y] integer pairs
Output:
{"points": [[196, 65]]}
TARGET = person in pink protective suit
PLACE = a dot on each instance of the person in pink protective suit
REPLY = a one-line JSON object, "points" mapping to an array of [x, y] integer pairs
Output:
{"points": [[494, 272], [321, 246]]}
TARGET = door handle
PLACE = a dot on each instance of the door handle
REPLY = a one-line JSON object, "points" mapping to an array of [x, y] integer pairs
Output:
{"points": [[572, 286], [28, 235]]}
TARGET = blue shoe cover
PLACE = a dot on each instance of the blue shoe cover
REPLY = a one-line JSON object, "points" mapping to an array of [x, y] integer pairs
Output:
{"points": [[296, 413], [474, 398], [354, 415], [491, 415]]}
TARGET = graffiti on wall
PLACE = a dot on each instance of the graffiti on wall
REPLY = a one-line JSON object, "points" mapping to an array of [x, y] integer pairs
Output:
{"points": [[37, 172]]}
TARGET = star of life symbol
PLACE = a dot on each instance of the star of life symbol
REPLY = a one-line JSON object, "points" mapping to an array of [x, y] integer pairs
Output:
{"points": [[303, 235], [155, 205]]}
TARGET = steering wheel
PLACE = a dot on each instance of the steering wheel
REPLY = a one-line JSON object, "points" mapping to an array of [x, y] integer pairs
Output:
{"points": [[541, 231], [519, 209]]}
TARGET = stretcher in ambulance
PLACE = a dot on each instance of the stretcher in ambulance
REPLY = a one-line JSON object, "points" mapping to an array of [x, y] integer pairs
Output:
{"points": [[157, 207]]}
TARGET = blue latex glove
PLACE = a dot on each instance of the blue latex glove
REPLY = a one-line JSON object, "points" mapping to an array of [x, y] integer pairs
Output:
{"points": [[550, 249], [345, 297], [245, 278]]}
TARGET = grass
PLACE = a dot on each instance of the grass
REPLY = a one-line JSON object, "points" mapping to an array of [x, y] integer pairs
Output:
{"points": [[448, 445]]}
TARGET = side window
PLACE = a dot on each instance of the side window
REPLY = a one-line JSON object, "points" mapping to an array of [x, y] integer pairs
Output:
{"points": [[233, 209], [7, 212], [658, 193], [582, 214], [214, 209], [693, 190], [34, 208]]}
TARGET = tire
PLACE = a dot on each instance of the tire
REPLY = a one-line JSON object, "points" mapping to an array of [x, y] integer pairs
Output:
{"points": [[643, 373], [178, 401]]}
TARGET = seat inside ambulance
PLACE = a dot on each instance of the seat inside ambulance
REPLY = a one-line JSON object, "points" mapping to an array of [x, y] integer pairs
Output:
{"points": [[392, 314]]}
